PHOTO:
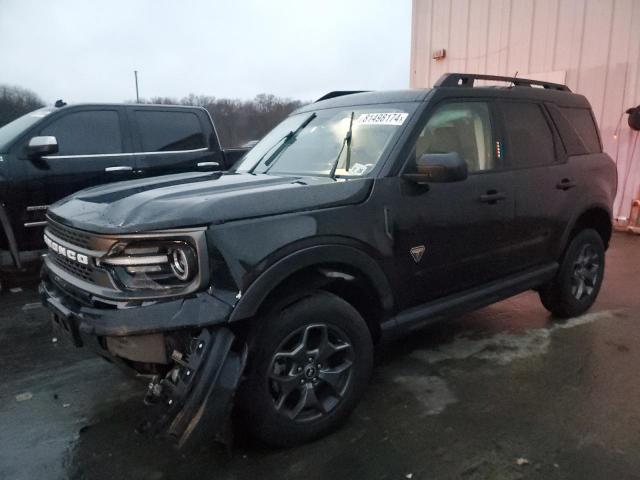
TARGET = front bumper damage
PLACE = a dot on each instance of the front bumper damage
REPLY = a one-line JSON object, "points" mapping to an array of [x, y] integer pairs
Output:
{"points": [[192, 386], [193, 402]]}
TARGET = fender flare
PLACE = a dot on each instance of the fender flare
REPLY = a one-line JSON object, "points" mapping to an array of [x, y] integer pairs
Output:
{"points": [[11, 238], [574, 220], [258, 291]]}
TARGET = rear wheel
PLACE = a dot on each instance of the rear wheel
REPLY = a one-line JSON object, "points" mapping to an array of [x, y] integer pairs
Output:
{"points": [[577, 283], [310, 364]]}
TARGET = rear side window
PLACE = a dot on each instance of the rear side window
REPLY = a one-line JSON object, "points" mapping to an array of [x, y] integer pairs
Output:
{"points": [[530, 138], [87, 133], [582, 122], [572, 142], [169, 131]]}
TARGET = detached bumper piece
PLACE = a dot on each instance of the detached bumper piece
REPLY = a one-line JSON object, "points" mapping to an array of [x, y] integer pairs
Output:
{"points": [[191, 404]]}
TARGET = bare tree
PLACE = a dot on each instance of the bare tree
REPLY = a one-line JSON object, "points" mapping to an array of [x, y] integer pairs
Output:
{"points": [[15, 102]]}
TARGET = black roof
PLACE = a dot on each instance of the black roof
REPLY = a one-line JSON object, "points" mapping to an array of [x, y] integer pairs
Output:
{"points": [[463, 86], [136, 105]]}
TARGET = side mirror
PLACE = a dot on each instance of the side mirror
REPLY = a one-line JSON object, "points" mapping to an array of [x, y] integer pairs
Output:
{"points": [[41, 146], [438, 168]]}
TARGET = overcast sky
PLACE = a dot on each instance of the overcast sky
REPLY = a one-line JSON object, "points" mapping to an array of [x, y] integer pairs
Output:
{"points": [[86, 51]]}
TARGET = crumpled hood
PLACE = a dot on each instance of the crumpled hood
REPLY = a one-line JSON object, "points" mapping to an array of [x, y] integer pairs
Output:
{"points": [[193, 199]]}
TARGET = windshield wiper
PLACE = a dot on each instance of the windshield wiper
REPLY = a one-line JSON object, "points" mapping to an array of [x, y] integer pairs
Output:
{"points": [[283, 143], [347, 142]]}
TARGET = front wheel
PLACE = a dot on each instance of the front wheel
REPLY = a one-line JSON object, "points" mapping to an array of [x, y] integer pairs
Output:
{"points": [[310, 364], [577, 283]]}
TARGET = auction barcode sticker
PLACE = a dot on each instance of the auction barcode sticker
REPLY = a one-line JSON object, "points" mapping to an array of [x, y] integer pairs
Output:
{"points": [[389, 118]]}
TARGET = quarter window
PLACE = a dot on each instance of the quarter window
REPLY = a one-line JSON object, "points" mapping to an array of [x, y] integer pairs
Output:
{"points": [[582, 122], [530, 138], [169, 131], [87, 133], [461, 127]]}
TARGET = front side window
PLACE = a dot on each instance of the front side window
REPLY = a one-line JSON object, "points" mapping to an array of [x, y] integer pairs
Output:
{"points": [[344, 142], [12, 130], [169, 131], [87, 133], [463, 128]]}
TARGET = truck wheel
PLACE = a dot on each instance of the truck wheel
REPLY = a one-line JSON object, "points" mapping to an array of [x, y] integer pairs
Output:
{"points": [[578, 281], [309, 365]]}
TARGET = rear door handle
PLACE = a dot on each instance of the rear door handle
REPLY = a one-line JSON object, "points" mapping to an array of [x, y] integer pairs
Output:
{"points": [[119, 168], [565, 184], [492, 197]]}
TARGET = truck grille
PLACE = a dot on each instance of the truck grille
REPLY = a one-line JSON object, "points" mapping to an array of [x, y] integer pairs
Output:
{"points": [[82, 271], [73, 236], [76, 238]]}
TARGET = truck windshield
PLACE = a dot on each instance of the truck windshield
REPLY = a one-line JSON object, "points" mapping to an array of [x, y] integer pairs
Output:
{"points": [[315, 148], [12, 130]]}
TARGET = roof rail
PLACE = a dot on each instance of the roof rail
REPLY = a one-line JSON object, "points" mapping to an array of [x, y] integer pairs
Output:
{"points": [[339, 93], [467, 80]]}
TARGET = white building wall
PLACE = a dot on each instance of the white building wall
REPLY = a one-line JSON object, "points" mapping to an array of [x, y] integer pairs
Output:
{"points": [[591, 45]]}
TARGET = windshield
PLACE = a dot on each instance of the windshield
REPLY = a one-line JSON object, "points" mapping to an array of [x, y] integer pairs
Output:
{"points": [[319, 143], [12, 130]]}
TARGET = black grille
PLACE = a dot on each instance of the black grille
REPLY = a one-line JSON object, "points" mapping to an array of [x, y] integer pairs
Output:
{"points": [[75, 268], [71, 235]]}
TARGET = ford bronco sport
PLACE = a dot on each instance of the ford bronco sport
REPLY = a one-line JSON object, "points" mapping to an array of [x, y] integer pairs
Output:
{"points": [[359, 217]]}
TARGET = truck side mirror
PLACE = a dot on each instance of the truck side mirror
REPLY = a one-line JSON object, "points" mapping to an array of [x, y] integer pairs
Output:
{"points": [[41, 146], [438, 168]]}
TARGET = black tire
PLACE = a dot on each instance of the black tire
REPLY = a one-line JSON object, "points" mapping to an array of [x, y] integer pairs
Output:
{"points": [[563, 296], [276, 365]]}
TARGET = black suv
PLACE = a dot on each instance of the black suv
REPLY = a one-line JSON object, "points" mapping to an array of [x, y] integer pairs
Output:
{"points": [[50, 153], [359, 217]]}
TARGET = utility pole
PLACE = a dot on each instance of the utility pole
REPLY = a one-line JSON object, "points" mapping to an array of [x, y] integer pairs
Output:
{"points": [[135, 72]]}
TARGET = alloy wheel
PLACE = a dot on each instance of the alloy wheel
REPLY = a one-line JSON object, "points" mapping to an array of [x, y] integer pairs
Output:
{"points": [[586, 271], [310, 372]]}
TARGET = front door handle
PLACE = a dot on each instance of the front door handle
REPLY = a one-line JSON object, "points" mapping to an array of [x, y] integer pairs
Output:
{"points": [[119, 168], [492, 197], [208, 164], [565, 184]]}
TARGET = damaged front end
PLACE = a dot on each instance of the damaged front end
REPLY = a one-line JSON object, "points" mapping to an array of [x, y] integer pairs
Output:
{"points": [[184, 346], [142, 301], [192, 402]]}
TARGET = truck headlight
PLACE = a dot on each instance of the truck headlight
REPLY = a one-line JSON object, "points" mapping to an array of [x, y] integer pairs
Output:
{"points": [[149, 265]]}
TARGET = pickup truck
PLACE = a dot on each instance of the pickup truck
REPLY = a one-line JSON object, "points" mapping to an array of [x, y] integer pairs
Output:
{"points": [[52, 152]]}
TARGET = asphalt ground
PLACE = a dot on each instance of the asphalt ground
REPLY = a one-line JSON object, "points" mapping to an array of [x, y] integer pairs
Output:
{"points": [[506, 392]]}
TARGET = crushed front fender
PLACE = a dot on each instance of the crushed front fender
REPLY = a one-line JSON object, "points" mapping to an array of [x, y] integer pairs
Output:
{"points": [[192, 403]]}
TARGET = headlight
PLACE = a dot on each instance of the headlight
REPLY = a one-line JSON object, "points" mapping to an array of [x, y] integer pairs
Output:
{"points": [[183, 262], [162, 265]]}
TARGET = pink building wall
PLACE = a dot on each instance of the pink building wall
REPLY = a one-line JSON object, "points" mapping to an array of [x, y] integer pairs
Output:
{"points": [[591, 45]]}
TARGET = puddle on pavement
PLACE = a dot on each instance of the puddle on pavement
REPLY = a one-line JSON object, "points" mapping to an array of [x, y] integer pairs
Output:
{"points": [[503, 348], [432, 392]]}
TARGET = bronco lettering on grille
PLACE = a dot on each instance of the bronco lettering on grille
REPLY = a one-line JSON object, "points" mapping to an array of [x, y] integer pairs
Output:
{"points": [[66, 252]]}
